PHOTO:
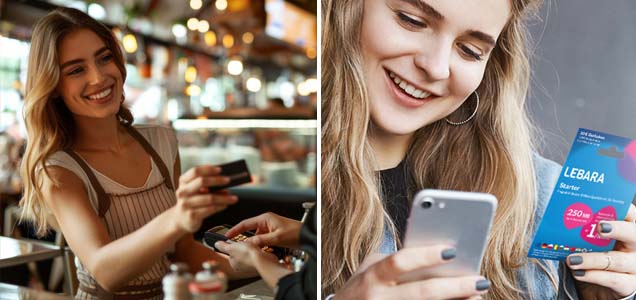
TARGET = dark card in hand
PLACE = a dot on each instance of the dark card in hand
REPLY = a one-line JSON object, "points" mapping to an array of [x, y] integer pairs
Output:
{"points": [[237, 172]]}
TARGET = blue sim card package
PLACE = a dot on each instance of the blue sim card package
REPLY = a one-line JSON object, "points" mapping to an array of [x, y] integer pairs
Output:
{"points": [[597, 183]]}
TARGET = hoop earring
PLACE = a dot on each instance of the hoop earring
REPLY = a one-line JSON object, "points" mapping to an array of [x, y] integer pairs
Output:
{"points": [[469, 118]]}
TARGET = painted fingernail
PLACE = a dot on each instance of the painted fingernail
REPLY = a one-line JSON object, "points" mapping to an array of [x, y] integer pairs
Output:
{"points": [[578, 273], [482, 285], [575, 260], [606, 227], [449, 254]]}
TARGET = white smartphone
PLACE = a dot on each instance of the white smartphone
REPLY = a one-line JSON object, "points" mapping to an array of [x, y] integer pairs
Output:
{"points": [[458, 219]]}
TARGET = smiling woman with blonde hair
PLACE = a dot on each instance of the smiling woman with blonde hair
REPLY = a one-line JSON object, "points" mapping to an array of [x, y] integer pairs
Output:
{"points": [[431, 94], [113, 189]]}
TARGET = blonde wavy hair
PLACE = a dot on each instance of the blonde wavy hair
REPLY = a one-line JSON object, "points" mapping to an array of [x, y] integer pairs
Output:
{"points": [[496, 151], [49, 123]]}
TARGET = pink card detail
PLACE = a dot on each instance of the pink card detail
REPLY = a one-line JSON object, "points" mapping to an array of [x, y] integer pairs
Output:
{"points": [[589, 232]]}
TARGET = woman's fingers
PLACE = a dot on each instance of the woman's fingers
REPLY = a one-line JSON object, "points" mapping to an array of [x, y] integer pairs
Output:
{"points": [[199, 171], [204, 200], [200, 183], [243, 226], [411, 259], [615, 261], [622, 231], [443, 288], [622, 284]]}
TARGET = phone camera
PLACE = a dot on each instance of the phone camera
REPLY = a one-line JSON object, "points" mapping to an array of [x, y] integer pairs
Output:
{"points": [[427, 203]]}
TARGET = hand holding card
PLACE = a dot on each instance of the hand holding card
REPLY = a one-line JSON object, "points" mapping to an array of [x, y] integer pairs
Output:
{"points": [[237, 172], [596, 185]]}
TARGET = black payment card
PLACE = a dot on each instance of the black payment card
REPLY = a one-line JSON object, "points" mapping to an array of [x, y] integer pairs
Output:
{"points": [[237, 172]]}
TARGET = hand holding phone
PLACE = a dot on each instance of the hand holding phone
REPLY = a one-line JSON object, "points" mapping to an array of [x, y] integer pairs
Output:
{"points": [[458, 219]]}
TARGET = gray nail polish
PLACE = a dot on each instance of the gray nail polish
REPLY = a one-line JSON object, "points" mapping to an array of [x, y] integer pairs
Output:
{"points": [[449, 253], [575, 260], [578, 273], [606, 227], [482, 285]]}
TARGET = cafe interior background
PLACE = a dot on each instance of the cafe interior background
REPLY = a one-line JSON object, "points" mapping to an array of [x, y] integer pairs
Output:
{"points": [[236, 79]]}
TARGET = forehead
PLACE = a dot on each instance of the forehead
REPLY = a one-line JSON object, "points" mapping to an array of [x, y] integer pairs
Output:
{"points": [[78, 44], [488, 16]]}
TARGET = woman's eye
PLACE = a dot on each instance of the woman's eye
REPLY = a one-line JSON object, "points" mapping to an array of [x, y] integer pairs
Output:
{"points": [[470, 52], [106, 58], [410, 21], [75, 71]]}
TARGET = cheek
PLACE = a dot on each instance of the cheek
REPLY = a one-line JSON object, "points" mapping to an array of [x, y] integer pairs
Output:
{"points": [[466, 81]]}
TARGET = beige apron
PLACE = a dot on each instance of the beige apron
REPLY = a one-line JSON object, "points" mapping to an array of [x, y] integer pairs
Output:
{"points": [[123, 214]]}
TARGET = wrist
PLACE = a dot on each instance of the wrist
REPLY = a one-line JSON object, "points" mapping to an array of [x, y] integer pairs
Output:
{"points": [[175, 228]]}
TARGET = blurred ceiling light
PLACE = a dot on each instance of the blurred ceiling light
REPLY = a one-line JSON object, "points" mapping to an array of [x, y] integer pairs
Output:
{"points": [[193, 90], [190, 74], [303, 89], [312, 85], [286, 92], [210, 38], [96, 11], [195, 4], [248, 37], [311, 53], [193, 24], [179, 30], [235, 67], [221, 4], [228, 41], [204, 26], [130, 43], [253, 84]]}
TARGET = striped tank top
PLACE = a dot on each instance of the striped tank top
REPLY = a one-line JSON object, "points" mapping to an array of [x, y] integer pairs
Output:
{"points": [[123, 213]]}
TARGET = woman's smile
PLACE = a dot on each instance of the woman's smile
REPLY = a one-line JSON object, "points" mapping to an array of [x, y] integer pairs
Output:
{"points": [[406, 93], [102, 96]]}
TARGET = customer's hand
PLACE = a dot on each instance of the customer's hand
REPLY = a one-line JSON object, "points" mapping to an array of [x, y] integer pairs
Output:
{"points": [[194, 202], [271, 230], [379, 281], [244, 256], [608, 275]]}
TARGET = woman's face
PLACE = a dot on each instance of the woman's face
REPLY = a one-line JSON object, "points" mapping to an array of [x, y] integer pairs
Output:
{"points": [[90, 82], [423, 58]]}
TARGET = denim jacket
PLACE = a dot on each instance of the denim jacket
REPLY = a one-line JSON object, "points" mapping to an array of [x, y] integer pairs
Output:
{"points": [[532, 278]]}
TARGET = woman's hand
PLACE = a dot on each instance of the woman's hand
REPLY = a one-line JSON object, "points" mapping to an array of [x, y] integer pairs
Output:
{"points": [[271, 230], [608, 275], [194, 202], [244, 256], [379, 281]]}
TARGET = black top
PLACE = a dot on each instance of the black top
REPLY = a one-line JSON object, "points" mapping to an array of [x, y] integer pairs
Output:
{"points": [[302, 284], [395, 196]]}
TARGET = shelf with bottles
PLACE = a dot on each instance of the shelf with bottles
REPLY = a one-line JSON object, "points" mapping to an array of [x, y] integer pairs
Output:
{"points": [[280, 153]]}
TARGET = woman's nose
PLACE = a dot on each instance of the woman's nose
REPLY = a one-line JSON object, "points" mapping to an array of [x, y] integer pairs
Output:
{"points": [[95, 75], [435, 61]]}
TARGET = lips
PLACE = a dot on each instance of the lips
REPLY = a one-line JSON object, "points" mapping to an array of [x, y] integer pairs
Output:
{"points": [[406, 93], [408, 88], [102, 95]]}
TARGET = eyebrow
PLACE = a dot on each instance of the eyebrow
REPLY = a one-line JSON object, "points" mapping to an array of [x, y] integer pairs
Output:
{"points": [[429, 10], [426, 8], [80, 60], [484, 37]]}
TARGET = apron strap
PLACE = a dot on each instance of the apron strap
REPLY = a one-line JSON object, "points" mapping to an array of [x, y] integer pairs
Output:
{"points": [[158, 161], [103, 201]]}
